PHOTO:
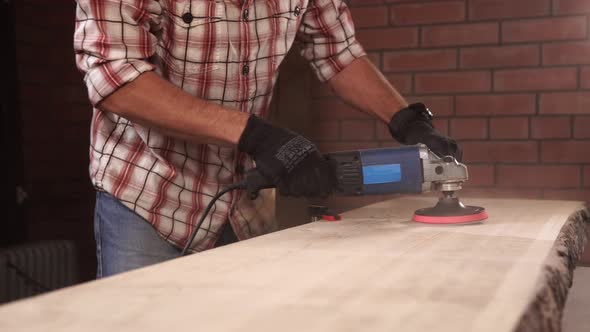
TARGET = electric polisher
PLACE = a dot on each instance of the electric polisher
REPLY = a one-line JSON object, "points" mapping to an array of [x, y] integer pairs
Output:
{"points": [[408, 169]]}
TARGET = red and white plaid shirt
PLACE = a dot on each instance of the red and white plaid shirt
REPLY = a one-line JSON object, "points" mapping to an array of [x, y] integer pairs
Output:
{"points": [[226, 52]]}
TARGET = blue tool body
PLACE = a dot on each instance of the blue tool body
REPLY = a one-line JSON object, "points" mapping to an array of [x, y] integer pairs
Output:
{"points": [[379, 171], [366, 172], [386, 171]]}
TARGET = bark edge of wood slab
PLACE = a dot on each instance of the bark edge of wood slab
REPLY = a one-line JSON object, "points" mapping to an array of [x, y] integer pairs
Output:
{"points": [[545, 311]]}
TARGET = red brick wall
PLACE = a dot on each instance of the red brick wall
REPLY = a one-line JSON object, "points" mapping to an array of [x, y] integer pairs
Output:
{"points": [[55, 117], [506, 78]]}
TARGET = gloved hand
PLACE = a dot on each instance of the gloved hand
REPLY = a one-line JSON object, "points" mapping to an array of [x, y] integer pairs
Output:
{"points": [[413, 125], [289, 160]]}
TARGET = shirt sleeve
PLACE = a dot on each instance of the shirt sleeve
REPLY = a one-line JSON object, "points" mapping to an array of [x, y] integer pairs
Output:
{"points": [[112, 42], [328, 39]]}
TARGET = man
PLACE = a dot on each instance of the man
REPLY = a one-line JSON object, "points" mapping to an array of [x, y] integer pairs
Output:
{"points": [[180, 90]]}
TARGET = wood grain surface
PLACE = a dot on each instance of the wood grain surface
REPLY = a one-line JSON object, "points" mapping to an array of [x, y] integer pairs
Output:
{"points": [[373, 271]]}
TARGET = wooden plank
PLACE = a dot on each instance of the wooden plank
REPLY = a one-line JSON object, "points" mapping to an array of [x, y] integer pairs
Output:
{"points": [[373, 271]]}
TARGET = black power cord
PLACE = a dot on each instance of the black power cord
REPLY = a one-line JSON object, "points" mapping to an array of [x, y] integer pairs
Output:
{"points": [[241, 185]]}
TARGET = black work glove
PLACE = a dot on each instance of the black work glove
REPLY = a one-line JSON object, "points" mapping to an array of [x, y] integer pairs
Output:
{"points": [[413, 125], [289, 160]]}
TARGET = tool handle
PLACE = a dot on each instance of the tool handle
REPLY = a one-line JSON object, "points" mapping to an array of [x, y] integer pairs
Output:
{"points": [[255, 182]]}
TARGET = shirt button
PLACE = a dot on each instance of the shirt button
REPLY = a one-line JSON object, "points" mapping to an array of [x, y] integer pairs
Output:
{"points": [[187, 18], [245, 70], [246, 13], [297, 11]]}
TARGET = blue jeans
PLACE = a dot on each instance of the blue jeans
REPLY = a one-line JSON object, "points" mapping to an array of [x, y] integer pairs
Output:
{"points": [[124, 240]]}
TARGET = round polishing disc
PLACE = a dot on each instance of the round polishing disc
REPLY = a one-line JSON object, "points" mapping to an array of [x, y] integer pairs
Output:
{"points": [[462, 219], [450, 210]]}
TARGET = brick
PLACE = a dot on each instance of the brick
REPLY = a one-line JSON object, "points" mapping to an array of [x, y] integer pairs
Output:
{"points": [[34, 35], [40, 214], [585, 78], [333, 108], [340, 204], [46, 152], [460, 34], [402, 82], [566, 151], [355, 3], [64, 93], [442, 125], [565, 103], [569, 53], [506, 104], [571, 6], [582, 127], [509, 128], [375, 58], [68, 114], [551, 127], [451, 82], [72, 171], [319, 89], [388, 38], [27, 53], [480, 175], [325, 130], [499, 151], [42, 132], [504, 56], [43, 73], [502, 193], [538, 176], [31, 94], [545, 29], [587, 176], [439, 105], [569, 195], [382, 132], [493, 9], [370, 16], [50, 17], [346, 146], [357, 130], [389, 144], [419, 60], [536, 79], [472, 128], [424, 13]]}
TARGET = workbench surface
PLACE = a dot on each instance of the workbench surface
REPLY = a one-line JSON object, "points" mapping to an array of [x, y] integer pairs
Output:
{"points": [[374, 271]]}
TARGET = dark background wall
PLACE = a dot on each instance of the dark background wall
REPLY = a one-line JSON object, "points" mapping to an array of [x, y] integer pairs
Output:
{"points": [[509, 79], [55, 116]]}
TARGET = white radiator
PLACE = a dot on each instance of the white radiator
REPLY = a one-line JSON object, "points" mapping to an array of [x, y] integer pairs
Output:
{"points": [[36, 268]]}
